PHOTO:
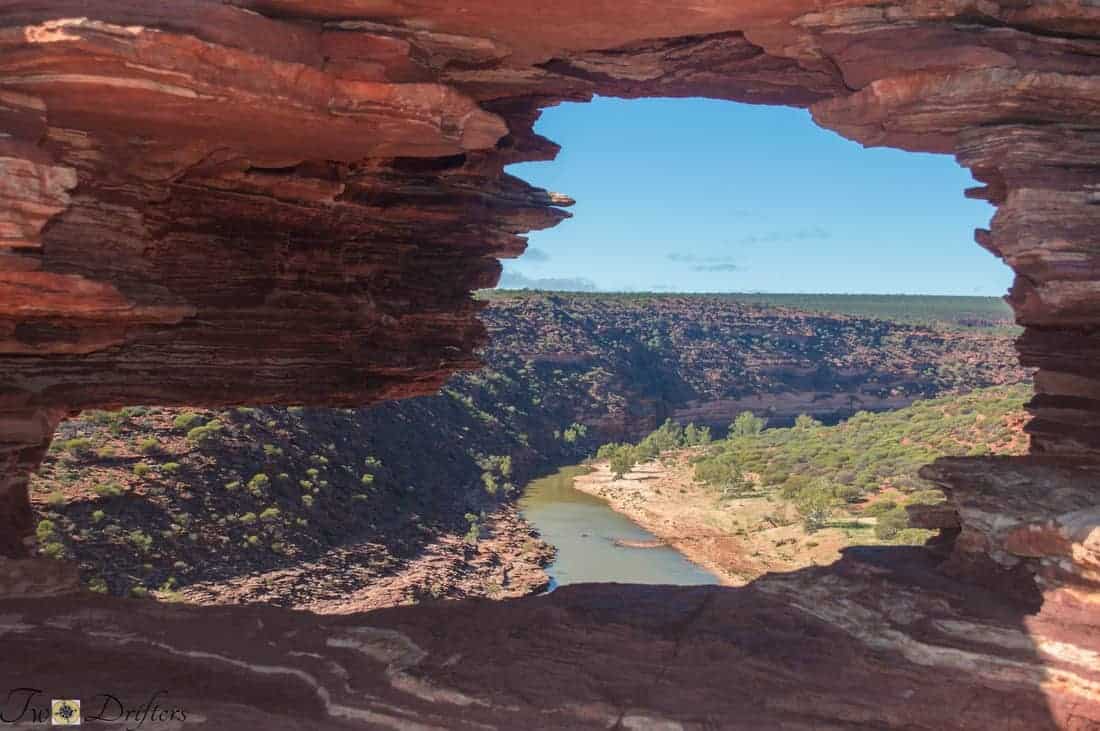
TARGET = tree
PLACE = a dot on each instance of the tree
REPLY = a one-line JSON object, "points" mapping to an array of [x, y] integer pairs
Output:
{"points": [[724, 475], [746, 424], [891, 522], [669, 436], [622, 461], [815, 505], [473, 534], [805, 421]]}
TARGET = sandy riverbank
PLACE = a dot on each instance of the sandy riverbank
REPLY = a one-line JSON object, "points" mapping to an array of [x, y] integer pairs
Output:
{"points": [[738, 540]]}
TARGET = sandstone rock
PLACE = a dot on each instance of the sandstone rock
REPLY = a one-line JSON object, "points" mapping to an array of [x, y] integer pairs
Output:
{"points": [[879, 640], [289, 201]]}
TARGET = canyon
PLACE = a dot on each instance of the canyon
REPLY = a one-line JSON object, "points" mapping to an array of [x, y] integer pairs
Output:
{"points": [[260, 202], [326, 509]]}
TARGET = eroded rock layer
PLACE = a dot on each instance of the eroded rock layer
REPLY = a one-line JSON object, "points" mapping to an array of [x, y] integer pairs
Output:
{"points": [[878, 641], [270, 201]]}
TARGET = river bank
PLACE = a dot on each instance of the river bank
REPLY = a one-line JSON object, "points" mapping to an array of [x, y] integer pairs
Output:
{"points": [[594, 543], [737, 540]]}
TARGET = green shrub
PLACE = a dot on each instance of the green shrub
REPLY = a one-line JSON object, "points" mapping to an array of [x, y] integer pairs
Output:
{"points": [[247, 519], [141, 469], [53, 550], [847, 493], [56, 499], [44, 530], [108, 489], [473, 534], [270, 450], [746, 424], [149, 445], [170, 468], [140, 540], [574, 433], [815, 506], [78, 447], [927, 497], [186, 421], [97, 584], [307, 500], [805, 421], [879, 508], [105, 452], [367, 479], [258, 484], [913, 536], [890, 523], [98, 516], [202, 435], [269, 514]]}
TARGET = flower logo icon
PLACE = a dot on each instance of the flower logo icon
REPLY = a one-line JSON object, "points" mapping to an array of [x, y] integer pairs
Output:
{"points": [[65, 713]]}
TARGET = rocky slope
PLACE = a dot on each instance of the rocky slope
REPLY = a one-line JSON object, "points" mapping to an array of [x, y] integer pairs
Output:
{"points": [[639, 359], [326, 509]]}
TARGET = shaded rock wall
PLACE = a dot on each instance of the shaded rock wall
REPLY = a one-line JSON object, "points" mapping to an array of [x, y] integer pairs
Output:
{"points": [[878, 641], [290, 200], [279, 201]]}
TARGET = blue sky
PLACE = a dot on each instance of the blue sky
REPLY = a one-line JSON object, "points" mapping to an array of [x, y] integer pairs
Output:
{"points": [[704, 196]]}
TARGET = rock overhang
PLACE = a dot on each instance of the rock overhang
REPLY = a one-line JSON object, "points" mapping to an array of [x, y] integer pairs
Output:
{"points": [[290, 201]]}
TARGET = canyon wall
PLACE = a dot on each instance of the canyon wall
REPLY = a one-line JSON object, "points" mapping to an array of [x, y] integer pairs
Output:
{"points": [[288, 201]]}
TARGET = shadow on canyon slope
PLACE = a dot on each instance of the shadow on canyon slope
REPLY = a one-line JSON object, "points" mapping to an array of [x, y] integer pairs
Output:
{"points": [[877, 640]]}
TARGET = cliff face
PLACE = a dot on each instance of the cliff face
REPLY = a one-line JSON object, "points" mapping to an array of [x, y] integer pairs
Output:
{"points": [[289, 200]]}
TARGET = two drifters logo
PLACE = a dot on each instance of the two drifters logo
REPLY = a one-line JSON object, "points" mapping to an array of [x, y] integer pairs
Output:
{"points": [[65, 713], [27, 706]]}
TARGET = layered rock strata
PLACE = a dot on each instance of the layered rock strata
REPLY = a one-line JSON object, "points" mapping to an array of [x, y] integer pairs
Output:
{"points": [[290, 200], [877, 641]]}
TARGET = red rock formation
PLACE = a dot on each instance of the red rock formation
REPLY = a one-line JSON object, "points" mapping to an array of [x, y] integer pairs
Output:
{"points": [[290, 200], [859, 645]]}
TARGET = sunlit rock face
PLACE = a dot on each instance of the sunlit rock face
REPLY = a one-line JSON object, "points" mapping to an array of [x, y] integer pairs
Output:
{"points": [[289, 201]]}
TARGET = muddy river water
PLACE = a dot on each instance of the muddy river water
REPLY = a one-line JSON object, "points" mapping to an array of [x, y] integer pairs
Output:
{"points": [[588, 536]]}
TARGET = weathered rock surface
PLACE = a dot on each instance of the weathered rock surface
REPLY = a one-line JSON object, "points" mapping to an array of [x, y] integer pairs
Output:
{"points": [[1034, 515], [289, 200], [879, 640]]}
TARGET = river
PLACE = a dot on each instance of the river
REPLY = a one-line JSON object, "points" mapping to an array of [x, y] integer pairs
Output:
{"points": [[584, 529]]}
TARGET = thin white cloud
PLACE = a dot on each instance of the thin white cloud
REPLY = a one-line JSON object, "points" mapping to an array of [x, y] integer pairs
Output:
{"points": [[515, 280]]}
